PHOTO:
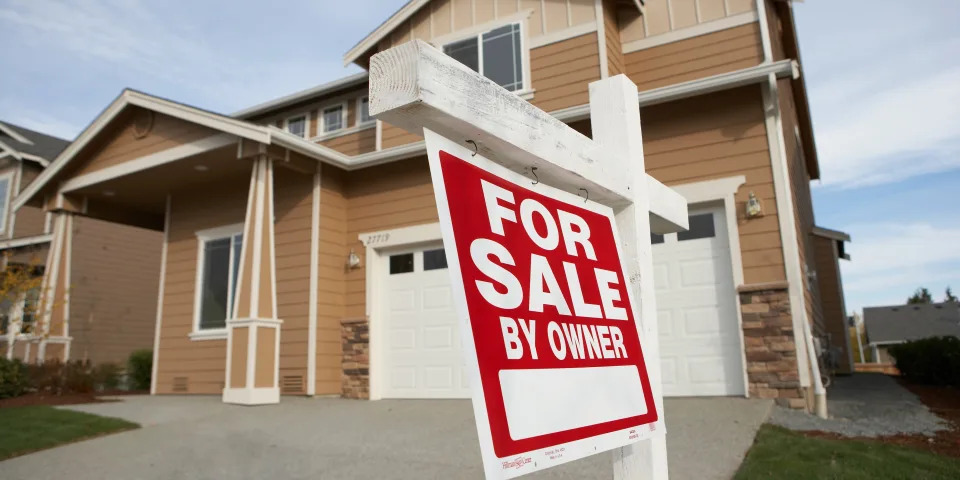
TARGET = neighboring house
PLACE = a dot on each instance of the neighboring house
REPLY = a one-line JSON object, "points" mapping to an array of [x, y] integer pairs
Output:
{"points": [[109, 270], [302, 253], [888, 326]]}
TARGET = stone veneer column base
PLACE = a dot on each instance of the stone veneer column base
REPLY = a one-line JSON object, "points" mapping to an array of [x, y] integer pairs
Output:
{"points": [[355, 339], [769, 340]]}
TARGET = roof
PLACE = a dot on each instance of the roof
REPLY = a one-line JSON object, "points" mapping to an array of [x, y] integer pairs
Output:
{"points": [[832, 234], [30, 144], [297, 97], [895, 324], [266, 134], [394, 21]]}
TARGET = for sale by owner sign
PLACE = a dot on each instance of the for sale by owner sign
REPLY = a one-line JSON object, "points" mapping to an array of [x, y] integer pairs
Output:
{"points": [[547, 319]]}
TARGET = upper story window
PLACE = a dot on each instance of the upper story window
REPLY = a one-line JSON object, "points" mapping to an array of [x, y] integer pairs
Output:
{"points": [[217, 280], [297, 125], [332, 118], [5, 193], [496, 54], [363, 111]]}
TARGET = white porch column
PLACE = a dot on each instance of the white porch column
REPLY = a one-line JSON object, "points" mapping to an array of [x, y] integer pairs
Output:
{"points": [[253, 338], [54, 305]]}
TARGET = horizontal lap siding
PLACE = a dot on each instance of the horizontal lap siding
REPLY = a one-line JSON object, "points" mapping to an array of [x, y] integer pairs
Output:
{"points": [[560, 72], [202, 362], [331, 284], [113, 294], [831, 294], [293, 210], [802, 205], [716, 136], [355, 143], [392, 136], [381, 198], [122, 145], [28, 221], [697, 57]]}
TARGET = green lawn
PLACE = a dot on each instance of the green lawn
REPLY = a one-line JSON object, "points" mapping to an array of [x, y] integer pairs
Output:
{"points": [[781, 454], [27, 429]]}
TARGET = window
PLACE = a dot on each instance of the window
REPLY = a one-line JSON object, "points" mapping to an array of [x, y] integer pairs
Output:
{"points": [[495, 54], [4, 200], [434, 259], [363, 111], [219, 262], [297, 125], [701, 226], [655, 238], [402, 263], [332, 118]]}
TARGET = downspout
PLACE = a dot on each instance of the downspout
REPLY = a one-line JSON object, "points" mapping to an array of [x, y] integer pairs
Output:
{"points": [[771, 97]]}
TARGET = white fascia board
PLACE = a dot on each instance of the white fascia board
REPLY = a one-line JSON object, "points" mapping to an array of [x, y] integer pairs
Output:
{"points": [[383, 30], [25, 241], [302, 95], [42, 161], [832, 234], [723, 81], [10, 151], [12, 132]]}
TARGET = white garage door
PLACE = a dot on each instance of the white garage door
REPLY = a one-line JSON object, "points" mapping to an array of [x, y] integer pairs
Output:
{"points": [[422, 353], [699, 333]]}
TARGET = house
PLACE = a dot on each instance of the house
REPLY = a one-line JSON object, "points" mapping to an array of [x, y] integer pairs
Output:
{"points": [[301, 249], [109, 270], [897, 324], [829, 247]]}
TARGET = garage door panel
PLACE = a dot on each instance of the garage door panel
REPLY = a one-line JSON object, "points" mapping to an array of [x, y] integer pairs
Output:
{"points": [[403, 300], [437, 338]]}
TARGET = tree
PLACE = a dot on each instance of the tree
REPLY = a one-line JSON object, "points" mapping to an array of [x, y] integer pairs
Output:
{"points": [[949, 297], [19, 292], [922, 295]]}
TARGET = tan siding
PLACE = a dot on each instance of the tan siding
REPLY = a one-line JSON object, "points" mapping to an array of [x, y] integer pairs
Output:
{"points": [[693, 58], [831, 294], [293, 207], [355, 143], [121, 144], [561, 72], [27, 221], [803, 205], [113, 294], [665, 16], [611, 29], [391, 136], [331, 285], [716, 136], [202, 362], [380, 198], [776, 32]]}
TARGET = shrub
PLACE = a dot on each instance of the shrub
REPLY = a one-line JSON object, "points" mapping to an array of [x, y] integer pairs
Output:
{"points": [[13, 378], [139, 369], [57, 378], [106, 376], [930, 361]]}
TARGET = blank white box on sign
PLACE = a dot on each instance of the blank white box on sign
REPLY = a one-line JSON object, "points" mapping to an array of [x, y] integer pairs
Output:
{"points": [[542, 401]]}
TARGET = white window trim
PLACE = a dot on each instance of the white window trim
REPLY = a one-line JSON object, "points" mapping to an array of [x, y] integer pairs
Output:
{"points": [[5, 214], [306, 123], [322, 123], [359, 122], [526, 90], [203, 236]]}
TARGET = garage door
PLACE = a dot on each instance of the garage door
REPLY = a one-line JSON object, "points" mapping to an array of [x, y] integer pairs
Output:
{"points": [[699, 333], [422, 352]]}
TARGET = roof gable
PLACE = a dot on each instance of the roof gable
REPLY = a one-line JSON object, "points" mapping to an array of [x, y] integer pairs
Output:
{"points": [[900, 323]]}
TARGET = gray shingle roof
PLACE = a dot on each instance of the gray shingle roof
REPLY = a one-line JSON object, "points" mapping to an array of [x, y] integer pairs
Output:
{"points": [[911, 322], [44, 146]]}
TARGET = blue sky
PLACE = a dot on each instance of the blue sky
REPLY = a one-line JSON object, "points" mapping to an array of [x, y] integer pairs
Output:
{"points": [[884, 84]]}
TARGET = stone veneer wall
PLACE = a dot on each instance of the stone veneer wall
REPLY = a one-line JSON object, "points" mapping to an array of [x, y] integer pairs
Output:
{"points": [[770, 349], [355, 338]]}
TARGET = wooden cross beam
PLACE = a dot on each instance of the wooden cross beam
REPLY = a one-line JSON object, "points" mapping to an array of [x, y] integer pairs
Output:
{"points": [[416, 86]]}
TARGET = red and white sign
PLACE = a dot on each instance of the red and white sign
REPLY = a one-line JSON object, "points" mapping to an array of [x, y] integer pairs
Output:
{"points": [[547, 317]]}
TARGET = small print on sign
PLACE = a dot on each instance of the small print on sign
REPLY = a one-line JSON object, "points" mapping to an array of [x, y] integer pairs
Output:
{"points": [[549, 326]]}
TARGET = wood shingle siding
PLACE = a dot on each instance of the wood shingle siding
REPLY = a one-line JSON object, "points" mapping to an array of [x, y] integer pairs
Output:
{"points": [[697, 57], [715, 136]]}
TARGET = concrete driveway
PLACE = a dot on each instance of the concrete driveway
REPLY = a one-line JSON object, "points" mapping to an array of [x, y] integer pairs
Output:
{"points": [[328, 438]]}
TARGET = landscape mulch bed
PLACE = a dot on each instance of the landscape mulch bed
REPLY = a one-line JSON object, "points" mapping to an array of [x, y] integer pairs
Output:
{"points": [[942, 401], [65, 399]]}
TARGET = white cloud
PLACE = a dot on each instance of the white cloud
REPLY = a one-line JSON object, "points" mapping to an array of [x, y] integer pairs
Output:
{"points": [[891, 260]]}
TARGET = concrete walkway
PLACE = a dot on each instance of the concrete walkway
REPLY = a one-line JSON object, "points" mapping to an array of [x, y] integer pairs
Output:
{"points": [[201, 438]]}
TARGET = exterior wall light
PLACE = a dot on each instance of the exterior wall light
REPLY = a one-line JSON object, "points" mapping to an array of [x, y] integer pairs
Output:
{"points": [[754, 209], [353, 260]]}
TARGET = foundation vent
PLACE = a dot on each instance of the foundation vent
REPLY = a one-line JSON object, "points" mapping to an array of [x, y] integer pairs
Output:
{"points": [[292, 384], [180, 384]]}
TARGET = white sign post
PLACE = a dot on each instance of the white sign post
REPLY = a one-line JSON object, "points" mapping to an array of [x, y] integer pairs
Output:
{"points": [[469, 120]]}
